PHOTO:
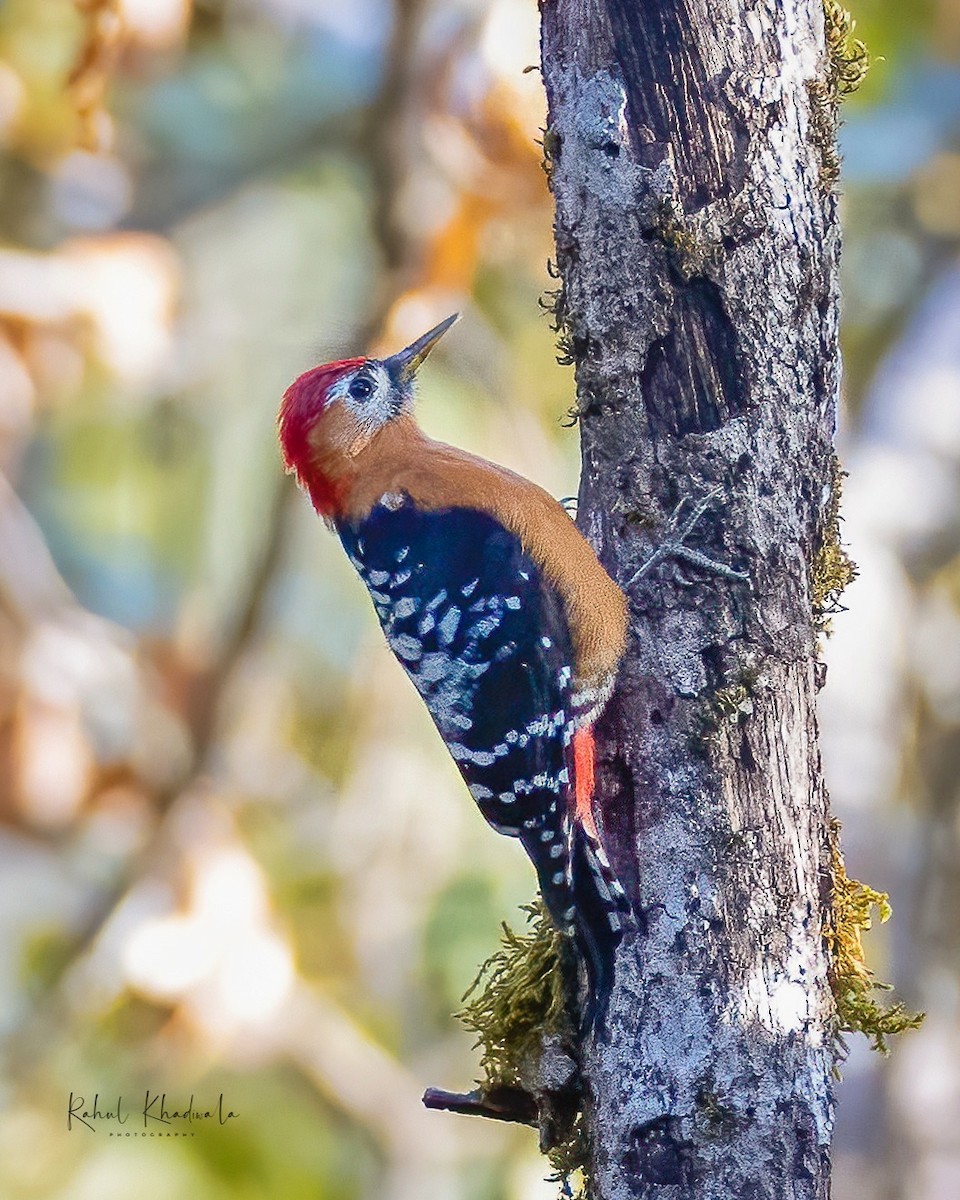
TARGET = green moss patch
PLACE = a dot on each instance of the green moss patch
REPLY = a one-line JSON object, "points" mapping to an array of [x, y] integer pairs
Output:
{"points": [[848, 61], [832, 569], [519, 1001], [852, 905], [518, 998], [849, 58]]}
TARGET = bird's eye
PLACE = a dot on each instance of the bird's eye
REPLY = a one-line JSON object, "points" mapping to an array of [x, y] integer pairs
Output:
{"points": [[361, 388]]}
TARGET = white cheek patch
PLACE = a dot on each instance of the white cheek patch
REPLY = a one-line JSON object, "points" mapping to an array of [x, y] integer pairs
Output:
{"points": [[374, 410], [338, 390]]}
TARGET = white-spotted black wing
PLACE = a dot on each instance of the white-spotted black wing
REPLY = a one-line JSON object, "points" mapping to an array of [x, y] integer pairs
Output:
{"points": [[486, 643]]}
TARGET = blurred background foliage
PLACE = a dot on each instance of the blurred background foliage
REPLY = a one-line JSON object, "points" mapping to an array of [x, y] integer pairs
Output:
{"points": [[234, 856]]}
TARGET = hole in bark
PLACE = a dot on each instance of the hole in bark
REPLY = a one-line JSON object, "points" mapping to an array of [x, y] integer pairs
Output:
{"points": [[674, 92], [713, 664], [611, 149], [658, 1155], [693, 379], [656, 717]]}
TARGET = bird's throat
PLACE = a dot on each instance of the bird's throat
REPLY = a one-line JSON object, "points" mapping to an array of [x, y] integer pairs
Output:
{"points": [[342, 475]]}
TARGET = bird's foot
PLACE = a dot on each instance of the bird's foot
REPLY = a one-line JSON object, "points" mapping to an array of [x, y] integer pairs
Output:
{"points": [[674, 545]]}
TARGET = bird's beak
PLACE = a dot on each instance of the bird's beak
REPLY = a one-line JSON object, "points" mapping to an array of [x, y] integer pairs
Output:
{"points": [[404, 365]]}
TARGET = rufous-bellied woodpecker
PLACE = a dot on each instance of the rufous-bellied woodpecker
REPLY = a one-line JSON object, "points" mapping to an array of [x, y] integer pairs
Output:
{"points": [[497, 608]]}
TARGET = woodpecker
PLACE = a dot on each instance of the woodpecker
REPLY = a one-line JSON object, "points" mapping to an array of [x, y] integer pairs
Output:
{"points": [[496, 607]]}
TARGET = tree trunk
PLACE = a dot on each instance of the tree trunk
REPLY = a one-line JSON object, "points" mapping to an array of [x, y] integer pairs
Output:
{"points": [[697, 248]]}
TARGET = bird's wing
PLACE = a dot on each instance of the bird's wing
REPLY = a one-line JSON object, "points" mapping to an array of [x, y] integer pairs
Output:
{"points": [[486, 643]]}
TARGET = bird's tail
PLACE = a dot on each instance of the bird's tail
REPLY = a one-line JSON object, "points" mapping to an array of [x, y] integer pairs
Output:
{"points": [[602, 913], [578, 884], [601, 909], [585, 899]]}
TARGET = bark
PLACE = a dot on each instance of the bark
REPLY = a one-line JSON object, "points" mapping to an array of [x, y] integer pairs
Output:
{"points": [[697, 248]]}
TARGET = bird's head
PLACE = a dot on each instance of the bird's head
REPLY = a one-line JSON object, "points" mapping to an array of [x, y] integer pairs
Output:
{"points": [[333, 412]]}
